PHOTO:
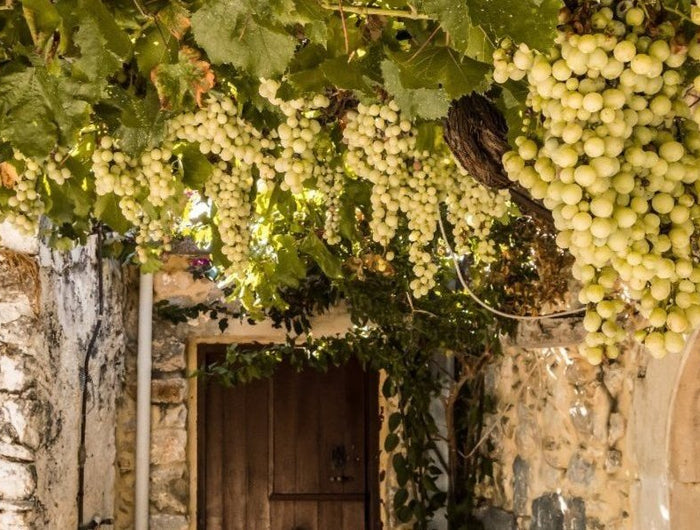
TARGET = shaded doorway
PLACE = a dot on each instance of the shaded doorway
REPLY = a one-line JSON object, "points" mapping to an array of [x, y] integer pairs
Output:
{"points": [[298, 451]]}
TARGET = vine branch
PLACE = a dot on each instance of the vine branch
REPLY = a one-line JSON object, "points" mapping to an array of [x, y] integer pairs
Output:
{"points": [[396, 13]]}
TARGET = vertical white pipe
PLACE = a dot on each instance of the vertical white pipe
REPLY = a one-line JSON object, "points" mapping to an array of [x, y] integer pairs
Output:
{"points": [[143, 402]]}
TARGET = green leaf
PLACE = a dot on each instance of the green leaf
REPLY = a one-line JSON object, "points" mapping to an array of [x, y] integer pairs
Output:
{"points": [[136, 121], [108, 211], [430, 104], [464, 36], [150, 51], [104, 46], [196, 168], [400, 498], [38, 110], [438, 67], [290, 268], [391, 442], [511, 103], [533, 22], [330, 264], [231, 32], [394, 421]]}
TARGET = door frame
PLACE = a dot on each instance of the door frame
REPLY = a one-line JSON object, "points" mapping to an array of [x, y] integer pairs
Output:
{"points": [[196, 433]]}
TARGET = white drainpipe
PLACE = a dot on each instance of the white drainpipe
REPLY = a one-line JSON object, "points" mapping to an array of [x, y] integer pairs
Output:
{"points": [[143, 402]]}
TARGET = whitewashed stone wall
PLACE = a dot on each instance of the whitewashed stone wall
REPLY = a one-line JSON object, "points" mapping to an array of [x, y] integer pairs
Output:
{"points": [[46, 320]]}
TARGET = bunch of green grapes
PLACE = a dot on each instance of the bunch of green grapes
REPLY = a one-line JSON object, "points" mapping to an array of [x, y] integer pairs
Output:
{"points": [[612, 150], [26, 206], [235, 147], [298, 136]]}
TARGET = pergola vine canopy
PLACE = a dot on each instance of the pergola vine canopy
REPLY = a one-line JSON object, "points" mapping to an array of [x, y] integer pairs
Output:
{"points": [[286, 135]]}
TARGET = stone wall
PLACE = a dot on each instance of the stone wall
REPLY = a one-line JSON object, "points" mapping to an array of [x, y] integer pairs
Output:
{"points": [[48, 312], [577, 446]]}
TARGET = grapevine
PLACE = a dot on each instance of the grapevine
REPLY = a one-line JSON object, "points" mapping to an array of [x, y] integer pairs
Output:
{"points": [[612, 149]]}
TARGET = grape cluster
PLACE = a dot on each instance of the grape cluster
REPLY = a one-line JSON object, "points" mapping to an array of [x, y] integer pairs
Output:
{"points": [[298, 136], [236, 147], [413, 183], [26, 206], [138, 182], [331, 181], [612, 151]]}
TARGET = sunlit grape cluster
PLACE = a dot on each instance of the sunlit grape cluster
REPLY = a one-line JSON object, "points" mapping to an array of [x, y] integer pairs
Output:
{"points": [[237, 147], [137, 182], [410, 183], [613, 154], [26, 206], [471, 210], [298, 136], [330, 180]]}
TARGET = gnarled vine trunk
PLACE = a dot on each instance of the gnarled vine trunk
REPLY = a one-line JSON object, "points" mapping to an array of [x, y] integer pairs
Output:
{"points": [[476, 133]]}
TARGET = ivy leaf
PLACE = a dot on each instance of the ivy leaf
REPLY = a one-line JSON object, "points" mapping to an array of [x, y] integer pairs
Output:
{"points": [[232, 33], [391, 442], [439, 67], [394, 421], [533, 22], [330, 264], [430, 104]]}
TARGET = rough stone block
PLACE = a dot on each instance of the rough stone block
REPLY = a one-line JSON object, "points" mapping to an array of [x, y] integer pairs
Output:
{"points": [[12, 373], [521, 481], [169, 416], [17, 421], [169, 353], [616, 429], [169, 522], [16, 452], [168, 446], [170, 489], [496, 519], [580, 470], [17, 480], [172, 390], [554, 512]]}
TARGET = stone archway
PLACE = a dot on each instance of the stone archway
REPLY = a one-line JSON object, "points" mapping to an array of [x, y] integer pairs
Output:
{"points": [[684, 442]]}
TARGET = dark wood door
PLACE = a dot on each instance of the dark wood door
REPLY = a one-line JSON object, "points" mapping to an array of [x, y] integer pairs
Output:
{"points": [[295, 452]]}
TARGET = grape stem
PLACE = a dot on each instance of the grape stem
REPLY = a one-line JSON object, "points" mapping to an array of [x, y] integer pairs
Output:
{"points": [[358, 10], [483, 304], [673, 10]]}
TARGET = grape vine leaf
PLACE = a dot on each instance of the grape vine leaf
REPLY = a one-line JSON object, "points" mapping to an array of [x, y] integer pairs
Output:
{"points": [[440, 67], [189, 76], [104, 46], [230, 32], [429, 104], [314, 247], [533, 22], [37, 110], [175, 17]]}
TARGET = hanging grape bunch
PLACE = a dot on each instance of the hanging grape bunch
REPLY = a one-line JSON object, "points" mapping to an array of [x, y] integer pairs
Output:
{"points": [[612, 148]]}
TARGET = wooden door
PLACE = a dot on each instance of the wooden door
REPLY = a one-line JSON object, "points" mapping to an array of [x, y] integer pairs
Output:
{"points": [[295, 452]]}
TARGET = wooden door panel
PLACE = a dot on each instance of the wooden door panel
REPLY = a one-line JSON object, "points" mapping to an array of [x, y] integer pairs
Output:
{"points": [[214, 458], [273, 451]]}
